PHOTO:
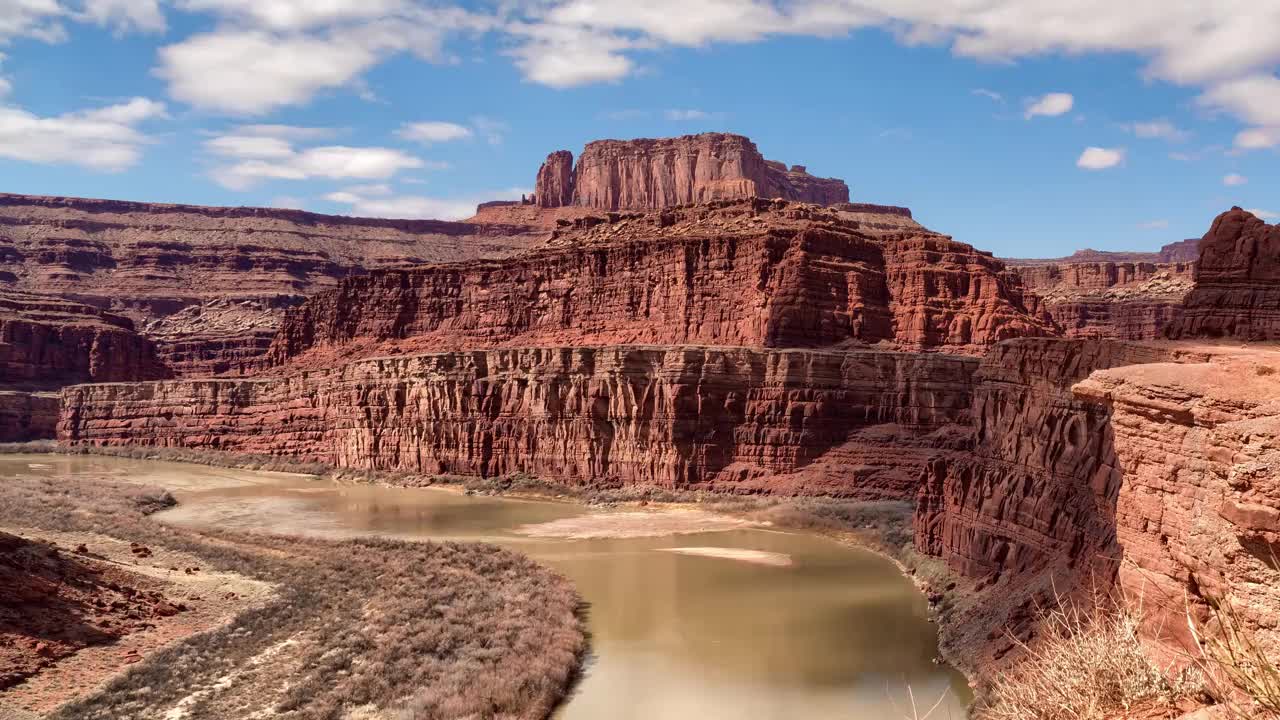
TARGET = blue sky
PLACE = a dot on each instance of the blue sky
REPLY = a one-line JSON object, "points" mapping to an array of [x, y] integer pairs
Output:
{"points": [[1025, 127]]}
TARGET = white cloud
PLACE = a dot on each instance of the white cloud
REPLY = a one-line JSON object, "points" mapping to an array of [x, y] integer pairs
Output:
{"points": [[254, 159], [125, 15], [1264, 214], [1154, 225], [1254, 98], [493, 131], [1096, 158], [416, 206], [682, 115], [564, 56], [1158, 130], [1258, 138], [105, 139], [268, 56], [434, 132], [989, 94], [1233, 180], [1051, 104], [295, 14]]}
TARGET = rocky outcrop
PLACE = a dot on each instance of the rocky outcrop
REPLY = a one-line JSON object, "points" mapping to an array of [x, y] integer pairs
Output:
{"points": [[148, 261], [47, 342], [1237, 281], [1113, 300], [652, 174], [854, 423], [1198, 512], [1028, 509], [554, 187], [1183, 251], [749, 273]]}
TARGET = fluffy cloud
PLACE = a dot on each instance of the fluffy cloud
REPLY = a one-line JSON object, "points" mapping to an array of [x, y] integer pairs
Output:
{"points": [[105, 139], [1264, 214], [1050, 105], [381, 204], [251, 159], [1158, 129], [1096, 158], [270, 56], [565, 56], [434, 132], [125, 15], [1234, 180]]}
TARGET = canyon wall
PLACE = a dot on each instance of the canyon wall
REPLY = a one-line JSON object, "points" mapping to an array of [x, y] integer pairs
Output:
{"points": [[1198, 513], [750, 273], [148, 261], [28, 415], [658, 173], [1237, 281], [855, 423], [46, 342], [1113, 300]]}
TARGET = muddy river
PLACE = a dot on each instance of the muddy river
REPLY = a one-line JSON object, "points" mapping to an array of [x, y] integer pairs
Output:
{"points": [[692, 616]]}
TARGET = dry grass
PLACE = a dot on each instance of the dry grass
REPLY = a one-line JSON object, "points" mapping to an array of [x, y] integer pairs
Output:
{"points": [[1240, 674], [429, 631], [1088, 664]]}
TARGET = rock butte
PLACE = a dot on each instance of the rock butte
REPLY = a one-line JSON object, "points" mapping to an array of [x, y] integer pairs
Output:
{"points": [[666, 326]]}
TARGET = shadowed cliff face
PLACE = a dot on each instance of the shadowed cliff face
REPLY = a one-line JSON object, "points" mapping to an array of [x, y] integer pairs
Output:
{"points": [[844, 423], [1112, 300], [751, 273], [658, 173], [1237, 282]]}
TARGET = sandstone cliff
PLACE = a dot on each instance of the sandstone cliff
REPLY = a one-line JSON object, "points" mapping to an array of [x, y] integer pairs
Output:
{"points": [[752, 273], [846, 423], [1028, 509], [1114, 300], [1198, 512], [659, 173], [1237, 281], [28, 415], [148, 261]]}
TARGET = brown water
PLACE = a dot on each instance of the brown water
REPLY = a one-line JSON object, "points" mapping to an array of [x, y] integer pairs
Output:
{"points": [[790, 626]]}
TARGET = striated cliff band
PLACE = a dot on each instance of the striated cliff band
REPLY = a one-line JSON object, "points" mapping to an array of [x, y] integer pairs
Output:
{"points": [[850, 423], [754, 273], [208, 284]]}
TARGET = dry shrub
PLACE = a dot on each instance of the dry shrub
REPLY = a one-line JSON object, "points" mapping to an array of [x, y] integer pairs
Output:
{"points": [[1239, 673], [1089, 663]]}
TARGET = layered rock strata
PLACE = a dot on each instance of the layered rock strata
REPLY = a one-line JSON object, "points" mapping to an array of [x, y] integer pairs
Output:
{"points": [[1198, 512], [148, 261], [1113, 300], [856, 423], [28, 415], [750, 273], [1237, 281], [47, 342], [658, 173]]}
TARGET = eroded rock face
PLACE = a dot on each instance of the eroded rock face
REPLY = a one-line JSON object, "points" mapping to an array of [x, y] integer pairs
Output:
{"points": [[27, 415], [148, 261], [659, 173], [554, 187], [1028, 508], [745, 273], [847, 423], [1198, 512], [1237, 281], [1113, 300], [47, 342]]}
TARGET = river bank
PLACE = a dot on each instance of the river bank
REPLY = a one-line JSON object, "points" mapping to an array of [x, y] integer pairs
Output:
{"points": [[243, 624]]}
